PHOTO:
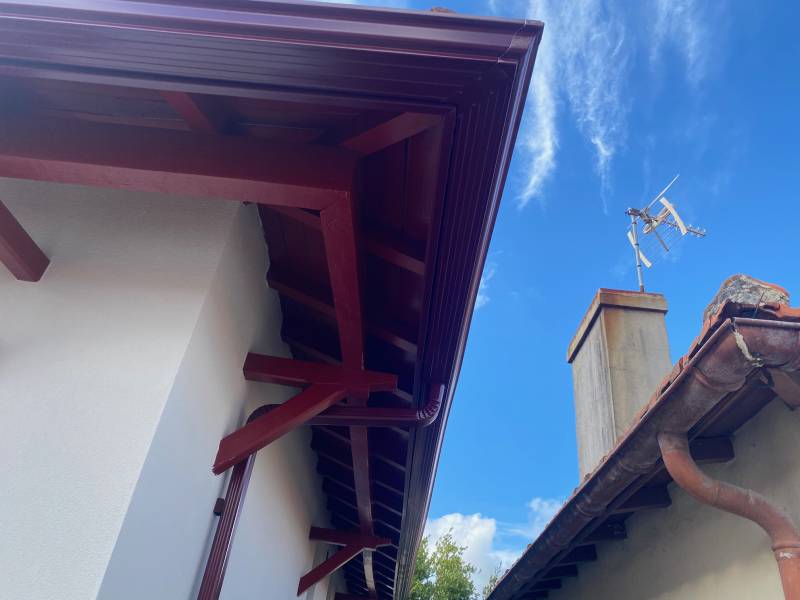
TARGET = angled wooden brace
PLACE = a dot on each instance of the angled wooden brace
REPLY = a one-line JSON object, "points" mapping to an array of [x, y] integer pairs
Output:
{"points": [[353, 542], [18, 252], [328, 385]]}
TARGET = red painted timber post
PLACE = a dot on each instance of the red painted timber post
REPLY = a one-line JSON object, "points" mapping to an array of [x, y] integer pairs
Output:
{"points": [[217, 562]]}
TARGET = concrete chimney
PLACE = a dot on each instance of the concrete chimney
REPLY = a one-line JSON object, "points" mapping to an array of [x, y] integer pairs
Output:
{"points": [[619, 355]]}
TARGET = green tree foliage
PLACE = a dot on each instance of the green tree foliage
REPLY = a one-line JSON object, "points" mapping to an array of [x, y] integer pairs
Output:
{"points": [[487, 589], [442, 573]]}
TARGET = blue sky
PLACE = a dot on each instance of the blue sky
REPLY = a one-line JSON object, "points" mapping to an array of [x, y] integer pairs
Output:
{"points": [[624, 96]]}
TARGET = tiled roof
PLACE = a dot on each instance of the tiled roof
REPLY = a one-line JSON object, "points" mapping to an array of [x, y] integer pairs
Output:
{"points": [[745, 355]]}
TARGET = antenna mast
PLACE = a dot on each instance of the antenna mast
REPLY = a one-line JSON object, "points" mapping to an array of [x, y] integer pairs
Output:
{"points": [[667, 221], [635, 239]]}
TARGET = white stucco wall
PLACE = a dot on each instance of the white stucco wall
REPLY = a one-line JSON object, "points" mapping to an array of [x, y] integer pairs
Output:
{"points": [[691, 551], [88, 356], [164, 541], [119, 373]]}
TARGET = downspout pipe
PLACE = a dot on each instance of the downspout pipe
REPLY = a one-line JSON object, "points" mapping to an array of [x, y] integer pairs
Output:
{"points": [[743, 502]]}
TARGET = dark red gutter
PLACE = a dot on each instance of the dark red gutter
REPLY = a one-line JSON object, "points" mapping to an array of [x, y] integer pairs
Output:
{"points": [[728, 356]]}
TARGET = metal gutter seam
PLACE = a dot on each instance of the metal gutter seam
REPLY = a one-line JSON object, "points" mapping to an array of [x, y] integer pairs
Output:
{"points": [[717, 367]]}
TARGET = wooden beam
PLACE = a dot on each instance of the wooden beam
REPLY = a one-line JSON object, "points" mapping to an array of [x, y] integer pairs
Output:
{"points": [[397, 252], [18, 252], [341, 247], [646, 498], [712, 450], [401, 394], [279, 283], [325, 568], [359, 445], [269, 427], [547, 584], [146, 159], [347, 538], [579, 554], [217, 561], [562, 571], [196, 111], [606, 532], [534, 595], [391, 131], [370, 416], [786, 385], [300, 373], [339, 234]]}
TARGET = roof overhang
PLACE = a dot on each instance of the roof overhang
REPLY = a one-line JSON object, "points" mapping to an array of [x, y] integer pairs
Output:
{"points": [[744, 356], [195, 96]]}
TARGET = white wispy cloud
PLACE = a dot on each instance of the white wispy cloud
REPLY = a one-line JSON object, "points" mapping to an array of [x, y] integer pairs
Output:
{"points": [[539, 135], [682, 24], [583, 60], [483, 288], [491, 545], [583, 72]]}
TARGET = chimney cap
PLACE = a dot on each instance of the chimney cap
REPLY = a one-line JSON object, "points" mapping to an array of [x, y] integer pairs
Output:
{"points": [[606, 297]]}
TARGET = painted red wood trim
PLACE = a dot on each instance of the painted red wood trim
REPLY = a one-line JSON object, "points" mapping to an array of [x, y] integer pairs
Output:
{"points": [[390, 132], [392, 253], [341, 415], [269, 427], [360, 449], [217, 562], [18, 252], [339, 233], [325, 568], [347, 538], [341, 248], [199, 116], [289, 371], [397, 339], [367, 416], [174, 162]]}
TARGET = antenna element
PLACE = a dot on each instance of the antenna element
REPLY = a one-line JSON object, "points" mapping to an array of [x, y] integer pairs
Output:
{"points": [[662, 231]]}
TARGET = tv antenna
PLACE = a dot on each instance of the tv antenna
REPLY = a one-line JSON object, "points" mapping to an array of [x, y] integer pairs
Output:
{"points": [[660, 232]]}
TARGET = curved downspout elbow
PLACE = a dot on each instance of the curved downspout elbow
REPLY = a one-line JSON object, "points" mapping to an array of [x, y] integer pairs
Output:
{"points": [[739, 501]]}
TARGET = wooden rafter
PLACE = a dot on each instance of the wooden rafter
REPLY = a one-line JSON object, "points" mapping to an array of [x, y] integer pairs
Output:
{"points": [[390, 132], [196, 112], [174, 162], [325, 568], [347, 538], [341, 247], [367, 416], [400, 253], [18, 252], [339, 235], [288, 371], [398, 339]]}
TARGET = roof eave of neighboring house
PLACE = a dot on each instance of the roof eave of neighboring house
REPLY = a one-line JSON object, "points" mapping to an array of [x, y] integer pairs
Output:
{"points": [[722, 378]]}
